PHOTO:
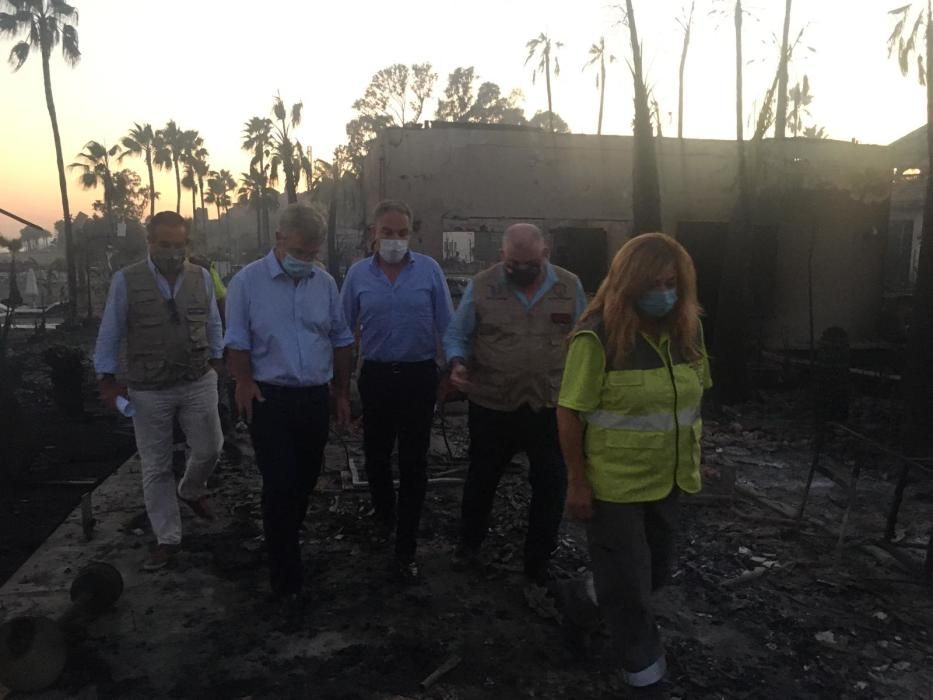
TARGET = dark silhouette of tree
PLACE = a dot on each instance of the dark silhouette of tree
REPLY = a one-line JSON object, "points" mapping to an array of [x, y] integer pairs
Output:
{"points": [[171, 143], [800, 97], [397, 92], [687, 25], [483, 106], [141, 143], [283, 155], [549, 122], [219, 184], [544, 50], [254, 191], [598, 58], [194, 156], [257, 139], [94, 163], [46, 24]]}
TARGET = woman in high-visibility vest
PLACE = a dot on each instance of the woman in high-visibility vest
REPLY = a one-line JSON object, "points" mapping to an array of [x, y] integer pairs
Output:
{"points": [[629, 422]]}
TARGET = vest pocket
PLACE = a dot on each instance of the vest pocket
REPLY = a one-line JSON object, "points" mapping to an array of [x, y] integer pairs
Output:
{"points": [[636, 440], [197, 326]]}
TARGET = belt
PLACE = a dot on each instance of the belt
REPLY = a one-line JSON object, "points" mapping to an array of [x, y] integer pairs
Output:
{"points": [[269, 390], [397, 367]]}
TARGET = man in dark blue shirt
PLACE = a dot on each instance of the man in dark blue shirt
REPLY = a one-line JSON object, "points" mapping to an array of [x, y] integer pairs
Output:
{"points": [[402, 304]]}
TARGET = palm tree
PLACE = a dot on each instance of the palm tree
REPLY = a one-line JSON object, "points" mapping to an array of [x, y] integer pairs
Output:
{"points": [[141, 142], [219, 183], [598, 56], [193, 153], [45, 24], [687, 25], [94, 163], [254, 191], [544, 49], [284, 155], [906, 41], [170, 146], [257, 139]]}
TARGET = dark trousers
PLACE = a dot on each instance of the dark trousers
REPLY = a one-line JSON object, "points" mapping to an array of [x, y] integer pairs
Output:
{"points": [[289, 432], [495, 437], [632, 553], [398, 404]]}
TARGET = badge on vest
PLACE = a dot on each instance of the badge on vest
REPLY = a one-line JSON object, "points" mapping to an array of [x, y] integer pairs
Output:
{"points": [[561, 318]]}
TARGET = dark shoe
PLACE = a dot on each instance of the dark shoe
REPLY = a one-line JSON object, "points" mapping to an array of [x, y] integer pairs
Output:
{"points": [[160, 556], [407, 571], [200, 507], [465, 557]]}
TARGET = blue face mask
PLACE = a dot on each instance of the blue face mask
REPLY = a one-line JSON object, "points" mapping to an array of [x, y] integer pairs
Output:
{"points": [[657, 304], [297, 269]]}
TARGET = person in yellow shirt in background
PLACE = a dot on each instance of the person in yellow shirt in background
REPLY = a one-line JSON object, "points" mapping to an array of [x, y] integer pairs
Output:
{"points": [[225, 386], [629, 423]]}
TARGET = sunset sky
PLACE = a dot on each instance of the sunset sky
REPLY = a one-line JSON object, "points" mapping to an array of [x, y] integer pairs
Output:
{"points": [[211, 65]]}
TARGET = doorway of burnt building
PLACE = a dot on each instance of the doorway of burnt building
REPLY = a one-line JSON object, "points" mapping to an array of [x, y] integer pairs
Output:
{"points": [[706, 241], [583, 251]]}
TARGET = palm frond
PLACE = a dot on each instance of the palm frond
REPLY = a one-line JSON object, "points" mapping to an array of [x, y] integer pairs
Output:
{"points": [[70, 50], [19, 54], [296, 113]]}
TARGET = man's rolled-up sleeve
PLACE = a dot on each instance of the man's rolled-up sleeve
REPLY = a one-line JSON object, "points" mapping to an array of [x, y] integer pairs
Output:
{"points": [[458, 340]]}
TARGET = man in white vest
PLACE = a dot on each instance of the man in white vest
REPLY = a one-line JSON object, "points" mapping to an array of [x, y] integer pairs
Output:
{"points": [[165, 310]]}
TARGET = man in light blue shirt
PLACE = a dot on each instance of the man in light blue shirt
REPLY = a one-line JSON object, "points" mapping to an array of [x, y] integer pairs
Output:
{"points": [[165, 310], [402, 305], [287, 339]]}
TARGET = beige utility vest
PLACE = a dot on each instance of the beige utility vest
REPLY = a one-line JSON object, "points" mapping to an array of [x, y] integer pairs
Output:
{"points": [[164, 349], [518, 353]]}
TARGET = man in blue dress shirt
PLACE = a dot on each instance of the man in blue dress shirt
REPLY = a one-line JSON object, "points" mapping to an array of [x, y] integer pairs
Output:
{"points": [[166, 311], [287, 339], [402, 304]]}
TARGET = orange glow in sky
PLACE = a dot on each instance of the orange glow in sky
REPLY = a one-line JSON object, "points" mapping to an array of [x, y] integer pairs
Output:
{"points": [[210, 69]]}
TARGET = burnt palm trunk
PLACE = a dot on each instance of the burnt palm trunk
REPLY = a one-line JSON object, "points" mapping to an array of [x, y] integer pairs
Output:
{"points": [[602, 93], [71, 310], [780, 119], [680, 75], [919, 370], [646, 191], [550, 106], [730, 341], [333, 264]]}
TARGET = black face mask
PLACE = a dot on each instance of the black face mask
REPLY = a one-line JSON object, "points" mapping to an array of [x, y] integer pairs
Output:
{"points": [[524, 276]]}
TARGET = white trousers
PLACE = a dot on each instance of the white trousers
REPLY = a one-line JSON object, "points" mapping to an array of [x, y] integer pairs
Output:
{"points": [[195, 404]]}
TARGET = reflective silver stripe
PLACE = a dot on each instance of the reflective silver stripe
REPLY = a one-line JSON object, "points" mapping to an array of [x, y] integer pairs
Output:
{"points": [[647, 676], [657, 423], [688, 416]]}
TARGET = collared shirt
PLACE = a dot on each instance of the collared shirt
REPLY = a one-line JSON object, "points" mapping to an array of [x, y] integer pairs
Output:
{"points": [[458, 341], [290, 329], [113, 324], [402, 321]]}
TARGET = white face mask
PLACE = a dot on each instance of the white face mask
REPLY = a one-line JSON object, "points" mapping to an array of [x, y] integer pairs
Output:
{"points": [[392, 250]]}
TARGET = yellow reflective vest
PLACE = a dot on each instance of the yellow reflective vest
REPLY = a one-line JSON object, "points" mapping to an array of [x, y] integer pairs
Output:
{"points": [[644, 437]]}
